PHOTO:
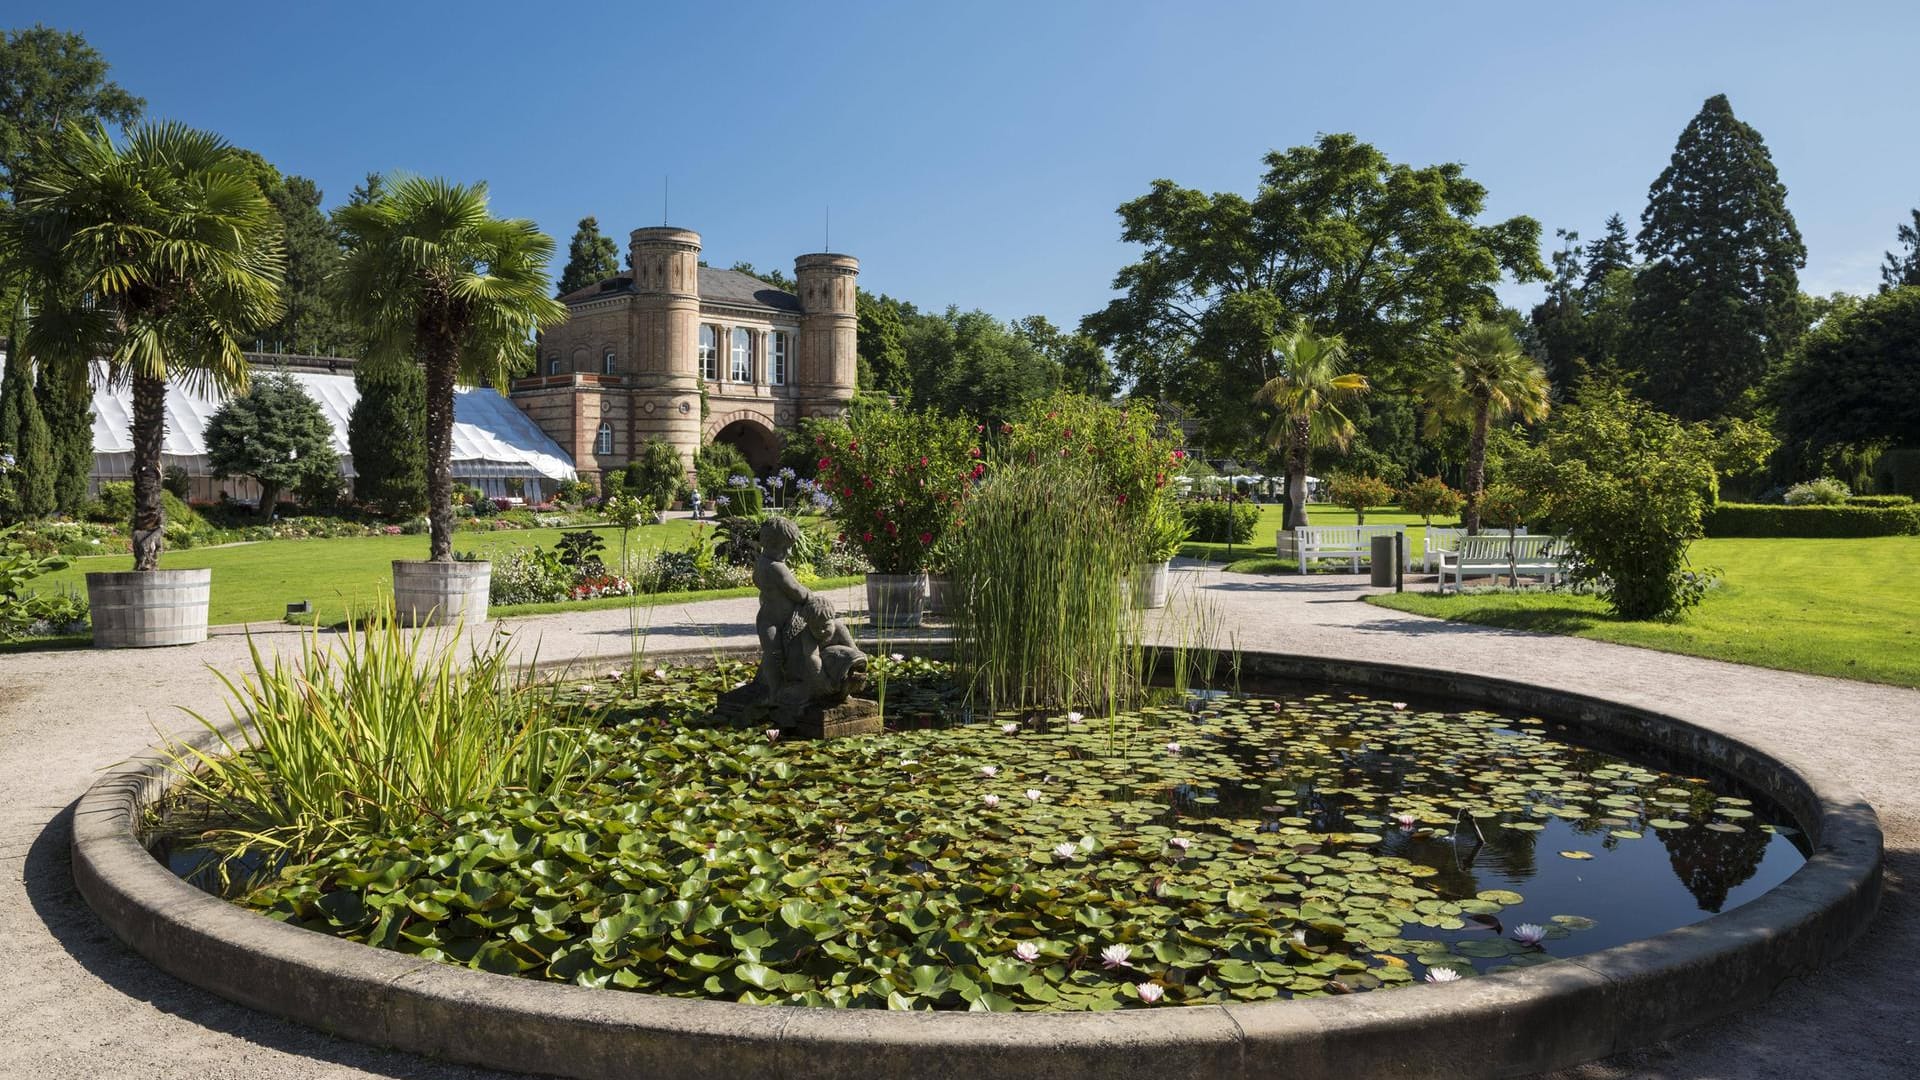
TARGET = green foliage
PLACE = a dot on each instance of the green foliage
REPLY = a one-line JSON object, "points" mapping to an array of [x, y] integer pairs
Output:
{"points": [[313, 322], [386, 434], [177, 482], [970, 364], [1508, 506], [51, 79], [1485, 380], [656, 473], [67, 406], [20, 606], [1430, 497], [1381, 254], [1039, 619], [1855, 383], [1082, 362], [591, 258], [27, 471], [1163, 531], [881, 342], [742, 500], [1718, 303], [1898, 470], [1357, 492], [1306, 393], [716, 463], [1880, 500], [275, 434], [529, 576], [897, 479], [1903, 269], [372, 733], [1826, 491], [1131, 452], [1221, 521], [1626, 485], [1767, 520]]}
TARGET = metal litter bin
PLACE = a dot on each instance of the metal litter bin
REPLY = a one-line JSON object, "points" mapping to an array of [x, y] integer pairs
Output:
{"points": [[1382, 560]]}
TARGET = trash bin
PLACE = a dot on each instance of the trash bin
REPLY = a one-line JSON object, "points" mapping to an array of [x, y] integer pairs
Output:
{"points": [[1383, 559]]}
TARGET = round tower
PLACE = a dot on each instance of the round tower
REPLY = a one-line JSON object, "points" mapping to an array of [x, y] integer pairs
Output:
{"points": [[666, 336], [829, 359]]}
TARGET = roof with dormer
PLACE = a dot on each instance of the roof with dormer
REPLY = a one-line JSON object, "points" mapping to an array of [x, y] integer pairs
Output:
{"points": [[717, 286]]}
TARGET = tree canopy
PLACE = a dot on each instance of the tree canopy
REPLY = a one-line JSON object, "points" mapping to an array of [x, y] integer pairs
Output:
{"points": [[591, 258], [1382, 254], [50, 79], [1855, 383], [1903, 268], [274, 433]]}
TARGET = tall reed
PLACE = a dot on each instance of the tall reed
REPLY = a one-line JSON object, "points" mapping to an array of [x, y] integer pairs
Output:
{"points": [[1040, 617], [375, 732]]}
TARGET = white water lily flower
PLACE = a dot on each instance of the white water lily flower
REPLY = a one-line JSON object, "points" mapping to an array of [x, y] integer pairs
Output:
{"points": [[1442, 975], [1180, 842], [1074, 717], [1529, 933], [710, 854], [1009, 728], [1401, 705], [989, 770], [1116, 956], [898, 658], [773, 734], [1173, 748], [1033, 794], [991, 800], [1026, 951], [1151, 992], [1065, 851]]}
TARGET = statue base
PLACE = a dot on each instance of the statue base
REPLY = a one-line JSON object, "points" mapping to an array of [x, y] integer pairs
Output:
{"points": [[750, 704]]}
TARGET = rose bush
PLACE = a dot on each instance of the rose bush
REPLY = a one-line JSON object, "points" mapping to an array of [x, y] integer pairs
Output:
{"points": [[897, 480]]}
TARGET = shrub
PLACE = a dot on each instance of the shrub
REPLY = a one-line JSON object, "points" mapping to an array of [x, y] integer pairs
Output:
{"points": [[1357, 492], [1825, 491], [1430, 497], [741, 498], [23, 610], [1729, 520], [529, 576], [1879, 500], [1627, 485], [175, 480], [897, 480], [1126, 446], [714, 464], [1221, 522], [657, 473], [274, 433]]}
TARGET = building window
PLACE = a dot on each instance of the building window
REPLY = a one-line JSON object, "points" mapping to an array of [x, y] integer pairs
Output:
{"points": [[742, 355], [778, 373], [709, 353], [553, 365], [606, 363], [603, 442]]}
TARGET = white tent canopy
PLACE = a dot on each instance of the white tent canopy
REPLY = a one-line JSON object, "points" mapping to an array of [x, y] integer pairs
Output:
{"points": [[493, 441]]}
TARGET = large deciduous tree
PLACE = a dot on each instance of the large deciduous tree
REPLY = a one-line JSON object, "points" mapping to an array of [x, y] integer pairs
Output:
{"points": [[1486, 378], [274, 433], [1855, 383], [161, 255], [973, 365], [1903, 267], [1382, 254], [1306, 392], [591, 258], [437, 277], [1718, 301]]}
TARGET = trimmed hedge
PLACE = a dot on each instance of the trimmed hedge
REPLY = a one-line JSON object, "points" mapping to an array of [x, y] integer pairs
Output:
{"points": [[1221, 522], [1810, 522], [1879, 500]]}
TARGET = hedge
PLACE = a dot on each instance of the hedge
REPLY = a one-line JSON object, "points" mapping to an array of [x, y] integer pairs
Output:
{"points": [[1754, 520], [1221, 522], [1879, 500]]}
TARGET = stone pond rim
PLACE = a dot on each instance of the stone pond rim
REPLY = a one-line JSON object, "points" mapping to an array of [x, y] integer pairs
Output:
{"points": [[1513, 1023]]}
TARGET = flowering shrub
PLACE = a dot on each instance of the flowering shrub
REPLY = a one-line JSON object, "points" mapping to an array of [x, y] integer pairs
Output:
{"points": [[897, 480], [592, 588], [529, 576], [1131, 455], [1825, 491]]}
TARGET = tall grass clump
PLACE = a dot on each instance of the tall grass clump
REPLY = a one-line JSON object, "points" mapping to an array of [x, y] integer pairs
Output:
{"points": [[1040, 619], [374, 733]]}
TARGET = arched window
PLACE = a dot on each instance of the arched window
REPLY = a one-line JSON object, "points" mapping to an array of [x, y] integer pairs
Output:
{"points": [[777, 374], [709, 353], [742, 355], [603, 442], [606, 363], [553, 365]]}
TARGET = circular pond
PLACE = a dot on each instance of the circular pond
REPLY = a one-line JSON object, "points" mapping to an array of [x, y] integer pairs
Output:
{"points": [[1292, 840]]}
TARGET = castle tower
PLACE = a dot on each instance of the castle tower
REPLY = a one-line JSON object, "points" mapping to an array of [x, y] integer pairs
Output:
{"points": [[829, 359], [665, 333]]}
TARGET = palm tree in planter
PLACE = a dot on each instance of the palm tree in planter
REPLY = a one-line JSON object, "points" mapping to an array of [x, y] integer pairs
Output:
{"points": [[1486, 378], [1306, 397], [159, 256], [437, 278]]}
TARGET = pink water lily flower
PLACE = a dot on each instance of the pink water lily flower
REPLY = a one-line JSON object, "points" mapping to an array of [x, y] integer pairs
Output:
{"points": [[1026, 952], [1401, 706], [1116, 956], [1407, 821], [1173, 748], [773, 734], [1009, 728], [897, 658], [989, 770], [1033, 794], [1180, 842], [991, 800], [1529, 933], [1442, 975], [1151, 992], [1065, 851]]}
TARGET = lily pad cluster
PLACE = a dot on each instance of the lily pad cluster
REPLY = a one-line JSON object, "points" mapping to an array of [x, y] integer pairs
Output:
{"points": [[1213, 849]]}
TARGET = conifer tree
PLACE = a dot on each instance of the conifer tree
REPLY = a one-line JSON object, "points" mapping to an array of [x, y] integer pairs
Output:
{"points": [[68, 411], [1718, 302], [386, 434], [1903, 269], [24, 435], [1613, 251], [591, 258]]}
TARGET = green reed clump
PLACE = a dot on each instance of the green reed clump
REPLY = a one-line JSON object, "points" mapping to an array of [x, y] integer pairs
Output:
{"points": [[374, 733], [1040, 618]]}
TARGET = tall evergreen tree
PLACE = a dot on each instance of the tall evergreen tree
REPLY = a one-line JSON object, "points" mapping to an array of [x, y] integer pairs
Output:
{"points": [[591, 258], [48, 79], [1718, 302], [24, 436], [386, 433], [1559, 321], [1613, 251], [1903, 269], [67, 407], [313, 323]]}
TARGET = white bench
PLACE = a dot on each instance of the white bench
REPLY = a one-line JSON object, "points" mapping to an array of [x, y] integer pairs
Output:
{"points": [[1439, 540], [1498, 556], [1351, 542]]}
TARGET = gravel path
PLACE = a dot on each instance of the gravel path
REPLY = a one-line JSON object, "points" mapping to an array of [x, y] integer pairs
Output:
{"points": [[74, 1003]]}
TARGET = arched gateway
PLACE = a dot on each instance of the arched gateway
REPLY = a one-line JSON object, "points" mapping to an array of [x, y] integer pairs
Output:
{"points": [[750, 433]]}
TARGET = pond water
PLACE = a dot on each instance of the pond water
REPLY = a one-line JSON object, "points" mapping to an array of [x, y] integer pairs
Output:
{"points": [[1295, 842]]}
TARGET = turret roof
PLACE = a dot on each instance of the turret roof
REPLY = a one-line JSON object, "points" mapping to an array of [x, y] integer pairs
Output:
{"points": [[717, 286]]}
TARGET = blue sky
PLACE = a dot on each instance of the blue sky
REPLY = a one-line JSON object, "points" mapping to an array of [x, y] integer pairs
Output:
{"points": [[973, 153]]}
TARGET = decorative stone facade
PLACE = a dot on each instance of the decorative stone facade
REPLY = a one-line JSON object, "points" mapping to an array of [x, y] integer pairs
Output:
{"points": [[629, 363]]}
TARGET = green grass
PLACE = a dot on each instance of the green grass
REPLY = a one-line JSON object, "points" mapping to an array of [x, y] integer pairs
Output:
{"points": [[1849, 608], [1317, 514], [255, 582]]}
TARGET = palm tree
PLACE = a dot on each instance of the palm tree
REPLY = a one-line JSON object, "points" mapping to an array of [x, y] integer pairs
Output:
{"points": [[160, 256], [438, 278], [1486, 378], [1306, 397]]}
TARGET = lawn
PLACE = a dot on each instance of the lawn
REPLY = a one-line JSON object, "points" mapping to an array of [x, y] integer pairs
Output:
{"points": [[1849, 608], [255, 582]]}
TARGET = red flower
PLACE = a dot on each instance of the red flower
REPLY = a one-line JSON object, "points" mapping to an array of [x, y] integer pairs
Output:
{"points": [[1123, 500], [926, 538], [866, 537], [975, 452], [826, 463], [923, 461], [1067, 433]]}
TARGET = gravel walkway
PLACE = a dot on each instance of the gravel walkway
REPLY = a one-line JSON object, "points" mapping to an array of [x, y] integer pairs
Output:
{"points": [[76, 1004]]}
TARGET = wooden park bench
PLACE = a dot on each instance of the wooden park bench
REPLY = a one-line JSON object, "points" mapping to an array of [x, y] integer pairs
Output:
{"points": [[1499, 556], [1351, 542], [1440, 539]]}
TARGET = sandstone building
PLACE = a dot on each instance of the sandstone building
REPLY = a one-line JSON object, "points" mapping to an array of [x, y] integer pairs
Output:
{"points": [[630, 362]]}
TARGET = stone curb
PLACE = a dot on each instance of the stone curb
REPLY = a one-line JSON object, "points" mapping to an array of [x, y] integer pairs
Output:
{"points": [[1514, 1023]]}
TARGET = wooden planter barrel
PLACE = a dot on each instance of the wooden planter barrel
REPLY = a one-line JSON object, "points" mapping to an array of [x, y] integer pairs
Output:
{"points": [[1148, 588], [136, 609], [937, 588], [445, 593], [895, 600]]}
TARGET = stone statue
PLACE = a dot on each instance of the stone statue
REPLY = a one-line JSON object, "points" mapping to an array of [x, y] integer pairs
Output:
{"points": [[809, 664]]}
